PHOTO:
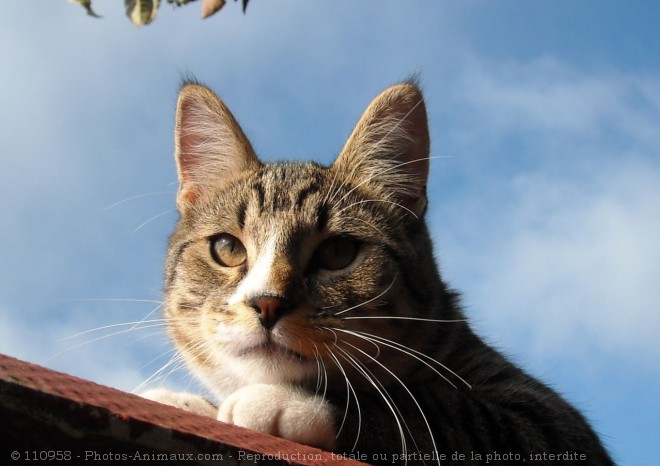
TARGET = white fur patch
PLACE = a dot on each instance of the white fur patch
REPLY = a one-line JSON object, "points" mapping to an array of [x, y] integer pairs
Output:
{"points": [[257, 280], [186, 401], [284, 411]]}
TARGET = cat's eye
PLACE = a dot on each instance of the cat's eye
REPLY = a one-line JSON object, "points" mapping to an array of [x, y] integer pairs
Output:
{"points": [[336, 253], [227, 250]]}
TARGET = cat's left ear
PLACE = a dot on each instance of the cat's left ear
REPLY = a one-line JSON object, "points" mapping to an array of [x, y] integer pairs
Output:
{"points": [[388, 151], [210, 146]]}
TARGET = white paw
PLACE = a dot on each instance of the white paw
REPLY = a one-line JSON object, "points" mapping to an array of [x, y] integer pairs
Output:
{"points": [[186, 401], [281, 410]]}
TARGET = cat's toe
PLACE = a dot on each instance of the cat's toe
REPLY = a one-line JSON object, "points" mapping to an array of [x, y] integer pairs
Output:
{"points": [[186, 401], [281, 410]]}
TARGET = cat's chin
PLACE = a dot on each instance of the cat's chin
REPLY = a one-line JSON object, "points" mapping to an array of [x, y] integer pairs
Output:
{"points": [[271, 350], [268, 363]]}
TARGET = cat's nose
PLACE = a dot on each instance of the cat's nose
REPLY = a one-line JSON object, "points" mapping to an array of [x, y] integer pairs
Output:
{"points": [[269, 308]]}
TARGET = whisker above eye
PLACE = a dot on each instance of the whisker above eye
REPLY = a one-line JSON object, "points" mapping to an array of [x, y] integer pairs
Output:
{"points": [[421, 319], [169, 211], [370, 300], [358, 219], [384, 201], [329, 307], [386, 170], [137, 196]]}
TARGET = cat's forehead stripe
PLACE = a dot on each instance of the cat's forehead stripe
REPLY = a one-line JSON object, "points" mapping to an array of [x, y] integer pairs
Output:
{"points": [[277, 190], [261, 194], [322, 217], [305, 192], [240, 214]]}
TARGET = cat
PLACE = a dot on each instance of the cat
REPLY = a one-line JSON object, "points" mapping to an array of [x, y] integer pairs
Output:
{"points": [[308, 300]]}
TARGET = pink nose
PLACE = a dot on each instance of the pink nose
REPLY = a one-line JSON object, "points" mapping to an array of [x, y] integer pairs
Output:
{"points": [[269, 308]]}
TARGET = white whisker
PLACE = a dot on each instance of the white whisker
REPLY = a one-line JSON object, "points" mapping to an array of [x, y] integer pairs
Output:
{"points": [[405, 387], [420, 319], [380, 232], [385, 201], [119, 300], [389, 401], [143, 337], [322, 376], [132, 198], [372, 148], [409, 351], [150, 313], [152, 219], [133, 326], [176, 356], [349, 390], [160, 356], [176, 360], [370, 300], [122, 324], [102, 337]]}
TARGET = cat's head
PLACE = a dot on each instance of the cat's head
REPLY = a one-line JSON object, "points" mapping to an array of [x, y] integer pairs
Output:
{"points": [[279, 272]]}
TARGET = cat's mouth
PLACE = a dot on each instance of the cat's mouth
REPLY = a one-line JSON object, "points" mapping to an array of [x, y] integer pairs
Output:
{"points": [[272, 349]]}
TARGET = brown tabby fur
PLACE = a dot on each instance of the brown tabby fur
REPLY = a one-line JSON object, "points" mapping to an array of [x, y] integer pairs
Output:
{"points": [[381, 344]]}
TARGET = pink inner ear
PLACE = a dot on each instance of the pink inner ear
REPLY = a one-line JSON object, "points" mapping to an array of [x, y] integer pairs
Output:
{"points": [[186, 160], [211, 148], [188, 141], [187, 156], [188, 194]]}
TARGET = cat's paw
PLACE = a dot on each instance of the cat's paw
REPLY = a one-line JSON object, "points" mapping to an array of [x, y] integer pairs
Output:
{"points": [[186, 401], [281, 410]]}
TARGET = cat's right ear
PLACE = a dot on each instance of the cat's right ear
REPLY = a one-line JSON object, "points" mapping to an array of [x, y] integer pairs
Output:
{"points": [[210, 146]]}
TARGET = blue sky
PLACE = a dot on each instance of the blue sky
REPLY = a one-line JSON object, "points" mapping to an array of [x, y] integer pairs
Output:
{"points": [[544, 205]]}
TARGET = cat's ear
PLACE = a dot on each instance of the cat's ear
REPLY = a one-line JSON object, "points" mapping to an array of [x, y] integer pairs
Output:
{"points": [[210, 146], [388, 151]]}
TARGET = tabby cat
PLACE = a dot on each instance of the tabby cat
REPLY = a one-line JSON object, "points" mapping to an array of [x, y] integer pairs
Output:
{"points": [[307, 299]]}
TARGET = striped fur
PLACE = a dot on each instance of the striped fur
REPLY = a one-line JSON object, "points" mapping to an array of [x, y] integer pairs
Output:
{"points": [[376, 355]]}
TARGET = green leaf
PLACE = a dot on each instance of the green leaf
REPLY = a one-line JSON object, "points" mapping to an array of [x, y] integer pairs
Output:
{"points": [[141, 12]]}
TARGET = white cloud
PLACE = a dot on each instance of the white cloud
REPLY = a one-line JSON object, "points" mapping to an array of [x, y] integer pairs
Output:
{"points": [[544, 95], [555, 108], [580, 263], [555, 239]]}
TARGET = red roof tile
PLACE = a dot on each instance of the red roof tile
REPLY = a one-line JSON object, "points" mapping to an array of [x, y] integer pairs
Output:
{"points": [[49, 415]]}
